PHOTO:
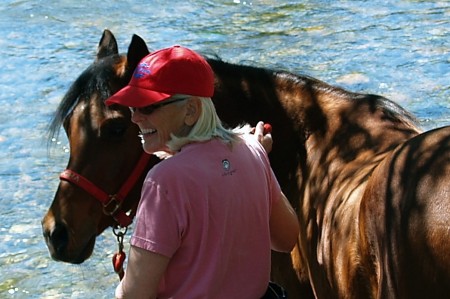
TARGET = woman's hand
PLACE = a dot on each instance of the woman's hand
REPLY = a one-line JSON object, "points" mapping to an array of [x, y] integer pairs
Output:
{"points": [[264, 136]]}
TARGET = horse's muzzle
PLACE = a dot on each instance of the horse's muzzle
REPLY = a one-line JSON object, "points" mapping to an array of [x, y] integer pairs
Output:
{"points": [[58, 242]]}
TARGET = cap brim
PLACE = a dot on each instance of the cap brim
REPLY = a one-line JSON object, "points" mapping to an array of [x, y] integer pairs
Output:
{"points": [[133, 96]]}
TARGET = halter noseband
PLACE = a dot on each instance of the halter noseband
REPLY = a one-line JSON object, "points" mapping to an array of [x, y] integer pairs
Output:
{"points": [[111, 203]]}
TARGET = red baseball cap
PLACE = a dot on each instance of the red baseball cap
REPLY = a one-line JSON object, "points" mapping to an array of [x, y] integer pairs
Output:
{"points": [[164, 73]]}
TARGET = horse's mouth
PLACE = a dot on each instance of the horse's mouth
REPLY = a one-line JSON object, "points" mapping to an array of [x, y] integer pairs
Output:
{"points": [[86, 252], [69, 255]]}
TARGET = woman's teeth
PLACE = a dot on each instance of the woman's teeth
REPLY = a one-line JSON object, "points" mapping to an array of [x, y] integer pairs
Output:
{"points": [[147, 131]]}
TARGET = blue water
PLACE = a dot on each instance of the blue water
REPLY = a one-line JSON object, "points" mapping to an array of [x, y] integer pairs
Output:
{"points": [[399, 49]]}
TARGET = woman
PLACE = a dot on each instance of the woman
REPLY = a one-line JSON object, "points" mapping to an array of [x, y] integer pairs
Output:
{"points": [[210, 214]]}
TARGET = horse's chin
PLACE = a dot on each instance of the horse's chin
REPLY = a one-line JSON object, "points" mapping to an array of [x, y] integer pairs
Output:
{"points": [[74, 256]]}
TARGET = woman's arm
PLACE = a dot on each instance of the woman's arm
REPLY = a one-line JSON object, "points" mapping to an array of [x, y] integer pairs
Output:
{"points": [[143, 273], [284, 227]]}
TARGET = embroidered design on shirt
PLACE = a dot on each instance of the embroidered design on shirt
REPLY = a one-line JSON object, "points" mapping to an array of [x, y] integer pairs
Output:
{"points": [[226, 166]]}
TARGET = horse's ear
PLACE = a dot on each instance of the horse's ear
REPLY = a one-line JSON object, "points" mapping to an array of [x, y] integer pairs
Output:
{"points": [[136, 51], [107, 45]]}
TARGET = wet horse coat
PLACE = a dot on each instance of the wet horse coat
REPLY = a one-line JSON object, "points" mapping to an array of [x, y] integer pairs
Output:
{"points": [[371, 191]]}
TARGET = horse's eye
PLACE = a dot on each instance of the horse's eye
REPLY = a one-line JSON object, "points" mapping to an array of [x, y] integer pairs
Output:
{"points": [[114, 129]]}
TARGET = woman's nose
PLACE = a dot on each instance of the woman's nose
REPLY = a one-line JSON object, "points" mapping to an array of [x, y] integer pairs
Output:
{"points": [[136, 116]]}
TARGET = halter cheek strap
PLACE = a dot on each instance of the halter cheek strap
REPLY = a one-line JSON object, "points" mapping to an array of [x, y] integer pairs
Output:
{"points": [[112, 204]]}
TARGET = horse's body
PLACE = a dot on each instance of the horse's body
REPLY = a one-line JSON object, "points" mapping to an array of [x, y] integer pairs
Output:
{"points": [[372, 192]]}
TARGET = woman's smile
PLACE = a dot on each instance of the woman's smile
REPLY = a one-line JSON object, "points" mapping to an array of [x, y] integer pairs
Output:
{"points": [[145, 132]]}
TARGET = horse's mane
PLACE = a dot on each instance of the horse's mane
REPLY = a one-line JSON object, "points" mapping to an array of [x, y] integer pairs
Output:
{"points": [[394, 110], [391, 109], [96, 79], [245, 69]]}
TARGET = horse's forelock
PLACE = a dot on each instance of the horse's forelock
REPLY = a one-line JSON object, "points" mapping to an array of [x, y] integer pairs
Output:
{"points": [[96, 79]]}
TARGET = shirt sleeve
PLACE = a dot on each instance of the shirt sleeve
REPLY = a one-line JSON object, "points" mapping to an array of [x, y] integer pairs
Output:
{"points": [[157, 226], [274, 186]]}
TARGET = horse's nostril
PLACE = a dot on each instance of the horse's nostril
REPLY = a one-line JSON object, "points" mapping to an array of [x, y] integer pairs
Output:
{"points": [[59, 238]]}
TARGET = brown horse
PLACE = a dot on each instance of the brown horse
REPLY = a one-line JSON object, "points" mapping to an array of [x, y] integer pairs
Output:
{"points": [[372, 192]]}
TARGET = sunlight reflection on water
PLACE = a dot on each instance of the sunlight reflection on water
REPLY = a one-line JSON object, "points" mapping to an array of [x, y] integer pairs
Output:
{"points": [[399, 50]]}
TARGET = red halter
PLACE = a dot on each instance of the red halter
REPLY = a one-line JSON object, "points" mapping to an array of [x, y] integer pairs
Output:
{"points": [[111, 203]]}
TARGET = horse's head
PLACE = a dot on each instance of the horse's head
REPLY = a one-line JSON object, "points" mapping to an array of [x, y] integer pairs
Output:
{"points": [[104, 151]]}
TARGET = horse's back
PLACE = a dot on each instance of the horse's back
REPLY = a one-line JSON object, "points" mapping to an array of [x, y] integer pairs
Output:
{"points": [[405, 220]]}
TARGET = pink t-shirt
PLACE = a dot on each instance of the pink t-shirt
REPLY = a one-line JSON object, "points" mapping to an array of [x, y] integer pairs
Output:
{"points": [[207, 208]]}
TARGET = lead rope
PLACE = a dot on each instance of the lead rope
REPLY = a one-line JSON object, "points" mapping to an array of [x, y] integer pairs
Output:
{"points": [[119, 257]]}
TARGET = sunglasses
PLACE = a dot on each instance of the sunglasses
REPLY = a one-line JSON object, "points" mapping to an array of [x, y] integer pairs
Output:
{"points": [[151, 108]]}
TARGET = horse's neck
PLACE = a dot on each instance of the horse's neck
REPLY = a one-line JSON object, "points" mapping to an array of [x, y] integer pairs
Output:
{"points": [[243, 94]]}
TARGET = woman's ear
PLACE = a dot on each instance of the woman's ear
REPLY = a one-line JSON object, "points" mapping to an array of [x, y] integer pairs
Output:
{"points": [[193, 110]]}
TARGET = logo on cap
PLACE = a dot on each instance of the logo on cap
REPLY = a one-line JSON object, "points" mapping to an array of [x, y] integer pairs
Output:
{"points": [[142, 70]]}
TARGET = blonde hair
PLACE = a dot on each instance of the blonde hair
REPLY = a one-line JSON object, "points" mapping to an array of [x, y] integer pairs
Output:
{"points": [[207, 127]]}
